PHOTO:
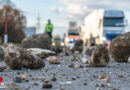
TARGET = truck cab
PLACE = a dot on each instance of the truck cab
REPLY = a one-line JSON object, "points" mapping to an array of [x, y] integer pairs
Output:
{"points": [[102, 26], [113, 24]]}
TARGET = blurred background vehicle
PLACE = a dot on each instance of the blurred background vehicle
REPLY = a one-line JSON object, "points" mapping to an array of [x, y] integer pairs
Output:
{"points": [[56, 40], [101, 26], [72, 34]]}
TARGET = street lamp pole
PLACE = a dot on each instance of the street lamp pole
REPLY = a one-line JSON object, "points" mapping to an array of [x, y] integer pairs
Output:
{"points": [[6, 32], [6, 25]]}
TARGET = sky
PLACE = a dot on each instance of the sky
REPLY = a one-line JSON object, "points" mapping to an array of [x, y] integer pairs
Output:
{"points": [[62, 11]]}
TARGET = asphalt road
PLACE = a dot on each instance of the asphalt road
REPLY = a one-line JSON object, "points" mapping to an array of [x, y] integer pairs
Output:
{"points": [[72, 75]]}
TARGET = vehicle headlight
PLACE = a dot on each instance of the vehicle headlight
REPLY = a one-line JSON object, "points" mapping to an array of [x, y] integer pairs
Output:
{"points": [[71, 40], [62, 44], [53, 44], [76, 39], [104, 39]]}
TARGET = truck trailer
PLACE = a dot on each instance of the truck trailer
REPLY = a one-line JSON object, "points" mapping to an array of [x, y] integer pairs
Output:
{"points": [[101, 26]]}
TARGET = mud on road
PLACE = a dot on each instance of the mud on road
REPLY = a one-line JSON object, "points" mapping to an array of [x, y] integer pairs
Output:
{"points": [[71, 75]]}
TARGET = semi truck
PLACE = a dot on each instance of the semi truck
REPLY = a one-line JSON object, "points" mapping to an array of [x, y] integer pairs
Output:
{"points": [[72, 34], [101, 26]]}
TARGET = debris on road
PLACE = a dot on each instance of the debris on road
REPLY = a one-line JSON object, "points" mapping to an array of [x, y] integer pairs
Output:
{"points": [[78, 46], [2, 68], [100, 56], [54, 78], [102, 77], [121, 76], [24, 78], [42, 53], [13, 86], [66, 83], [18, 58], [67, 51], [18, 80], [89, 51], [120, 47], [57, 48], [107, 79], [53, 60], [47, 85], [86, 59], [42, 41]]}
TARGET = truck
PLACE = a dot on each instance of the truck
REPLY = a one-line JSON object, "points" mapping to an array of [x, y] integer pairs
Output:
{"points": [[56, 40], [102, 26], [72, 34]]}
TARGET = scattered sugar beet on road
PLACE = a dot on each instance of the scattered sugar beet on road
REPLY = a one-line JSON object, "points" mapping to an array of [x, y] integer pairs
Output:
{"points": [[36, 68], [71, 75]]}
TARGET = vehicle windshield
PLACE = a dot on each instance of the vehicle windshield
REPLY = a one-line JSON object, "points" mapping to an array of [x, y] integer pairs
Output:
{"points": [[73, 33], [114, 21]]}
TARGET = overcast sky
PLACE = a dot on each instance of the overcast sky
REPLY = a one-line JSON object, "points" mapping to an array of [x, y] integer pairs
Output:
{"points": [[63, 11]]}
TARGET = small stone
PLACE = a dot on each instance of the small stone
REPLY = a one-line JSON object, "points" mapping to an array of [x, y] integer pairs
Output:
{"points": [[96, 85], [107, 79], [85, 84], [2, 69], [18, 80], [73, 78], [102, 85], [63, 75], [53, 60], [85, 59], [13, 86], [75, 58], [121, 76], [81, 66], [71, 65], [98, 89], [76, 66], [54, 78], [109, 85], [102, 77], [26, 80], [35, 84], [115, 89], [78, 77], [47, 85], [18, 73], [95, 76]]}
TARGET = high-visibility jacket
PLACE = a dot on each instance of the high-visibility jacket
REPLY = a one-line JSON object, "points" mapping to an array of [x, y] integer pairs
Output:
{"points": [[49, 28]]}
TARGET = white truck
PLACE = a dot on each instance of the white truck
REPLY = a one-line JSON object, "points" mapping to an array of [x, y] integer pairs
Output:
{"points": [[101, 26]]}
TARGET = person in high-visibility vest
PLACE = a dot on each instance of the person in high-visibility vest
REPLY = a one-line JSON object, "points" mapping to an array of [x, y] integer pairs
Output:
{"points": [[49, 28]]}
